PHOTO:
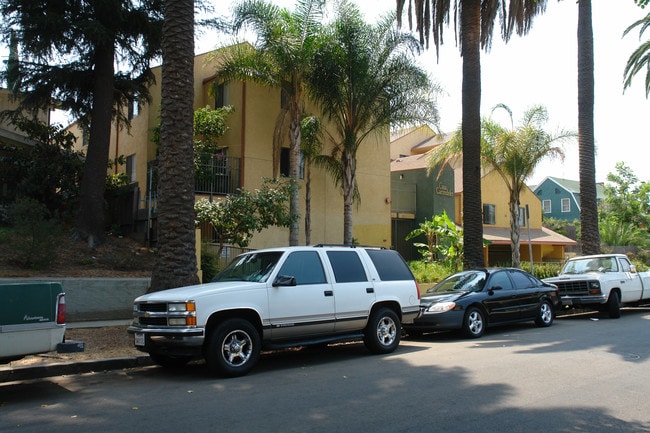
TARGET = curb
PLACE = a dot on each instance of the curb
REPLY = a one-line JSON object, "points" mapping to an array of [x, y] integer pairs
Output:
{"points": [[70, 368]]}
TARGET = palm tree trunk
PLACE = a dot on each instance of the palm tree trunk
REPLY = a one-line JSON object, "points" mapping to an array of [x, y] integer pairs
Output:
{"points": [[176, 265], [294, 172], [514, 225], [587, 161], [349, 170], [471, 126], [308, 203]]}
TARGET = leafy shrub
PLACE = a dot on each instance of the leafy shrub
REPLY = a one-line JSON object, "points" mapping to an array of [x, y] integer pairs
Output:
{"points": [[426, 272], [209, 265], [543, 270], [34, 234]]}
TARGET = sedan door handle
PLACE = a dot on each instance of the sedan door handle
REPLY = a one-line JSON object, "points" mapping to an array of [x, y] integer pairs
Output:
{"points": [[328, 293], [370, 290]]}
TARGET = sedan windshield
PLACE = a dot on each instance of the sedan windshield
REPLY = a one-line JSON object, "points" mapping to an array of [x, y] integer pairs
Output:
{"points": [[471, 281], [250, 267]]}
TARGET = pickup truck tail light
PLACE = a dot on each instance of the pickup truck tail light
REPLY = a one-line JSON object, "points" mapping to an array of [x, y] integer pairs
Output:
{"points": [[417, 286], [60, 309]]}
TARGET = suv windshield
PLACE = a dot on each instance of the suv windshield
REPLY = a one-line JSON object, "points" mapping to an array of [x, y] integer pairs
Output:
{"points": [[471, 281], [250, 267]]}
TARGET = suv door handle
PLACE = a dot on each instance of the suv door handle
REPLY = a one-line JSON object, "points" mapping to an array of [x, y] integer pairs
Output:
{"points": [[328, 293], [370, 290]]}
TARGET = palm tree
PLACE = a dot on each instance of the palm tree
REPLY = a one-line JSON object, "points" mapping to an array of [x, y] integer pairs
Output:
{"points": [[312, 146], [590, 235], [364, 80], [640, 59], [474, 23], [176, 262], [513, 153], [281, 59]]}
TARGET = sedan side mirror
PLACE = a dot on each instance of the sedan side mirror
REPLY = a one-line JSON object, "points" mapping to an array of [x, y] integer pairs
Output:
{"points": [[493, 288]]}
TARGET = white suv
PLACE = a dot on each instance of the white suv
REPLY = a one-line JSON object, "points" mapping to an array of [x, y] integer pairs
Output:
{"points": [[279, 297]]}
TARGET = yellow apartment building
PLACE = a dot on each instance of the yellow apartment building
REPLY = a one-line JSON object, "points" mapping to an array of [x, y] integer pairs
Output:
{"points": [[245, 158]]}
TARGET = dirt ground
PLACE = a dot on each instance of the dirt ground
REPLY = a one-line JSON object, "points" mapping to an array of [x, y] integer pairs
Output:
{"points": [[117, 257], [99, 343]]}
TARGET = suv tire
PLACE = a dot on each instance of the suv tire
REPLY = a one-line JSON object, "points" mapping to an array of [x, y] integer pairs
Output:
{"points": [[233, 348], [383, 332]]}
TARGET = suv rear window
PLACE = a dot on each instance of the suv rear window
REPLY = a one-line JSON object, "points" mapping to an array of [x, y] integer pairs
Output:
{"points": [[347, 266], [390, 265]]}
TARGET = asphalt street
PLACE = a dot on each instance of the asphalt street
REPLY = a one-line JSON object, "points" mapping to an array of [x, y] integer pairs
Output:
{"points": [[585, 373]]}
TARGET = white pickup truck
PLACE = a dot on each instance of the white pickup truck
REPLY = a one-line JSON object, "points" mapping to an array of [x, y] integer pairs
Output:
{"points": [[279, 297], [604, 282]]}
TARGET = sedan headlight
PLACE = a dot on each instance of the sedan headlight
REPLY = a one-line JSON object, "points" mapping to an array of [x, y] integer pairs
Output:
{"points": [[440, 307]]}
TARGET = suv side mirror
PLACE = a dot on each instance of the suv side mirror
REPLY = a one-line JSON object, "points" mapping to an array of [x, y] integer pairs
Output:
{"points": [[284, 280]]}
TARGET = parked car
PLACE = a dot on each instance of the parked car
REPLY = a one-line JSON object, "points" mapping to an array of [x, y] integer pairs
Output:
{"points": [[473, 300], [279, 297], [32, 319]]}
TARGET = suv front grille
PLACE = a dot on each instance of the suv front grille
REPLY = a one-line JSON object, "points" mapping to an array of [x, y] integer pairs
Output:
{"points": [[160, 307], [153, 321]]}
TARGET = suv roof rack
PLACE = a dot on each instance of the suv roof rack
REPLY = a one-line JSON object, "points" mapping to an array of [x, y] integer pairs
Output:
{"points": [[349, 246]]}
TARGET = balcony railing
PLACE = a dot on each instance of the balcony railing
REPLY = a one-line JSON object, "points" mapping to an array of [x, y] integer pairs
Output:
{"points": [[217, 174]]}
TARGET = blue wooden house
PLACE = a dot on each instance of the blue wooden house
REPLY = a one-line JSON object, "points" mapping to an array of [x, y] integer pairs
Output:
{"points": [[561, 198]]}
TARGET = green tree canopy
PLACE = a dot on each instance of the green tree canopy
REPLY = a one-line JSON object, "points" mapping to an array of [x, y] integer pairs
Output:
{"points": [[281, 58], [91, 58], [236, 217], [365, 80], [627, 200]]}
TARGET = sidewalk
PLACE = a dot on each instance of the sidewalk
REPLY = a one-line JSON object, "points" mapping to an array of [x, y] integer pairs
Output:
{"points": [[9, 373]]}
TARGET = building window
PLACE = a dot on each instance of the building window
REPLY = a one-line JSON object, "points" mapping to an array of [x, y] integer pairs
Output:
{"points": [[546, 205], [221, 95], [133, 109], [285, 165], [130, 167], [489, 214], [522, 217], [566, 205]]}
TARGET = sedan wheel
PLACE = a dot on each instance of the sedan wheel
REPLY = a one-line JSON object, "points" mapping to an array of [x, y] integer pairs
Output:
{"points": [[544, 315], [474, 323]]}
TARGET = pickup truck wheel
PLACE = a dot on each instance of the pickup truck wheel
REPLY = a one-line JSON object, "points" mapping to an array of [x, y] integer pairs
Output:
{"points": [[544, 314], [383, 332], [614, 305], [168, 361], [233, 348], [474, 323]]}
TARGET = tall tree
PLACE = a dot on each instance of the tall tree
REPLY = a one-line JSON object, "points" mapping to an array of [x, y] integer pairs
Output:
{"points": [[312, 145], [176, 264], [590, 237], [640, 59], [69, 52], [365, 80], [281, 58], [513, 153], [474, 23]]}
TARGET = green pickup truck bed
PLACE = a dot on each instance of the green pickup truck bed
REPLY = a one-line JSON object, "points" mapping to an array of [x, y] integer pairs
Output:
{"points": [[32, 319]]}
